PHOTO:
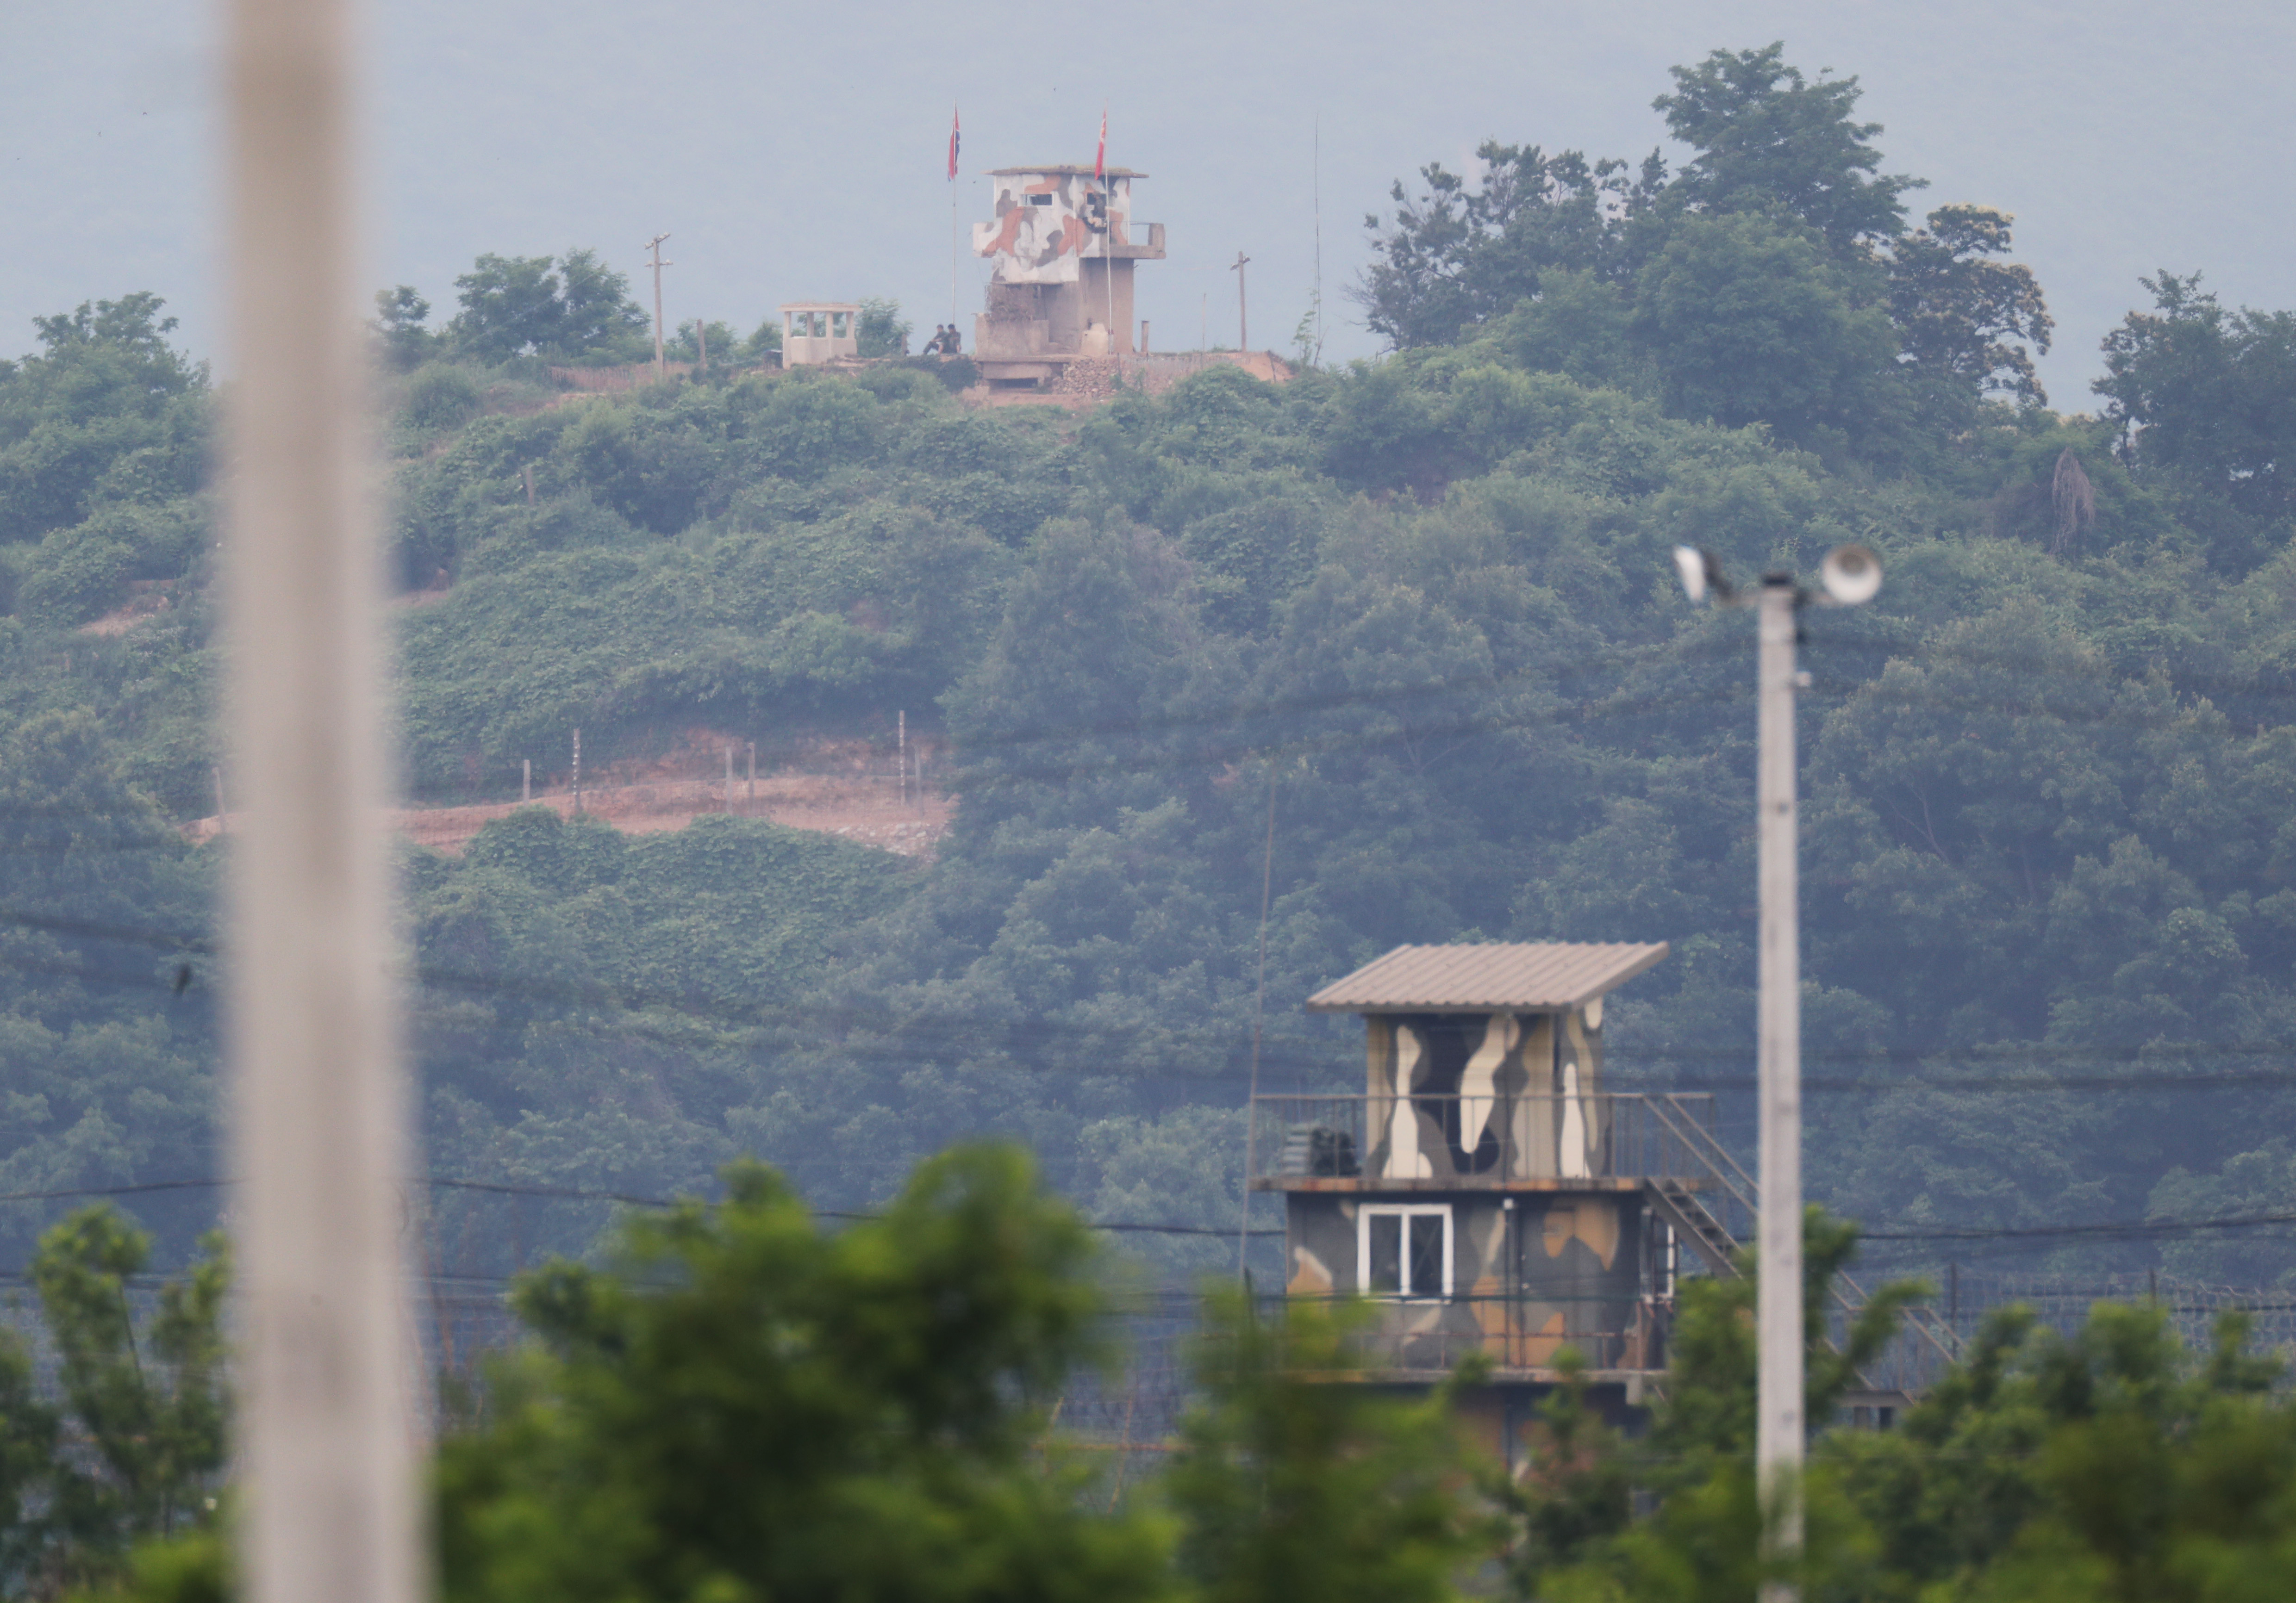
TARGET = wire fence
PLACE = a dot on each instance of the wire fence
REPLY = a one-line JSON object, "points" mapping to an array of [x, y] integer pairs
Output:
{"points": [[1128, 1416]]}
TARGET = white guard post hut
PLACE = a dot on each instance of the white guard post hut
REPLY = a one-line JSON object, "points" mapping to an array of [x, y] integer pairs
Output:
{"points": [[813, 331], [1062, 248], [1486, 1190]]}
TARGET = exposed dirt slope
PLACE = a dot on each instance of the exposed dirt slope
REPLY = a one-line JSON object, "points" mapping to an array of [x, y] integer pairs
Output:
{"points": [[852, 800]]}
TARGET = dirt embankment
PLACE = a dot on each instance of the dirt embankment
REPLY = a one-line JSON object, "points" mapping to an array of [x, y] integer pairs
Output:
{"points": [[847, 789]]}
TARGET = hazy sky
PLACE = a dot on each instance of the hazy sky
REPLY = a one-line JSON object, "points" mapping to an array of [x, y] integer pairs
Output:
{"points": [[798, 152]]}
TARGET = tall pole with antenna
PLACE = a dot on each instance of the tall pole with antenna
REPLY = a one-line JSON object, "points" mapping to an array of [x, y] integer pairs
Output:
{"points": [[1851, 575], [661, 367], [1316, 188], [1242, 317]]}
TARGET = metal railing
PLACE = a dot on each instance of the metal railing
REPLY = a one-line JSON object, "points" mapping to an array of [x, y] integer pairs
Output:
{"points": [[1733, 1204], [1484, 1139], [1665, 1140]]}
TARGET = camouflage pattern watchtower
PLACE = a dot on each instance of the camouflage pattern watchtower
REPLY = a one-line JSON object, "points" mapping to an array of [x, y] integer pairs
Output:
{"points": [[1486, 1190], [1062, 249]]}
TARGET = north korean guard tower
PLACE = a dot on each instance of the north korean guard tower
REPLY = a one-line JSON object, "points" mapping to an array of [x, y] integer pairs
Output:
{"points": [[1061, 246]]}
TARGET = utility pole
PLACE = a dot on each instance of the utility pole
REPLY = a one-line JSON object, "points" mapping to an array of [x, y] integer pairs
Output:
{"points": [[750, 801], [660, 366], [525, 780], [578, 774], [1243, 319], [1779, 1429], [1851, 575], [325, 1447]]}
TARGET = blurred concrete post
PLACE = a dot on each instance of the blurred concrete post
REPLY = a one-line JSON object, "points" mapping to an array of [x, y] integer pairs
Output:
{"points": [[326, 1435]]}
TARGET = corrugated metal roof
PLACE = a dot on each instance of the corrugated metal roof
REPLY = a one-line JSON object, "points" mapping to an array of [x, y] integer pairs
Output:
{"points": [[1528, 975]]}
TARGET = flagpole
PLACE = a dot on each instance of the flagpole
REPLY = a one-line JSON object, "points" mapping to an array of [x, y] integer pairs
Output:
{"points": [[956, 240], [1107, 235]]}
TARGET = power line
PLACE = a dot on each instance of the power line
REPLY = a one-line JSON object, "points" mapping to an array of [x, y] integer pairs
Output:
{"points": [[1023, 1037], [577, 1194]]}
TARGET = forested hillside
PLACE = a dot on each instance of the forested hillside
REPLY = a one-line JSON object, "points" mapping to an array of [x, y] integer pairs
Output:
{"points": [[1425, 605]]}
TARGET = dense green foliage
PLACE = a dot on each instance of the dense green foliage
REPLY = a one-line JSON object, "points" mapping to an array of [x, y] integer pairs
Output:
{"points": [[127, 1442], [1773, 279], [1287, 1484], [737, 1404], [752, 1409], [597, 1000], [1427, 602]]}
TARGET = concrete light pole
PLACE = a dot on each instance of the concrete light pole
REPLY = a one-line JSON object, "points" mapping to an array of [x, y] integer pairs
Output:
{"points": [[1851, 575]]}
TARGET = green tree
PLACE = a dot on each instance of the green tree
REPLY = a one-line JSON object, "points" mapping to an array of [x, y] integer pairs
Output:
{"points": [[143, 1404], [750, 1407], [1575, 1495], [882, 331], [1463, 251], [596, 318], [725, 347], [1752, 323], [399, 314], [1959, 313], [2110, 1463], [107, 411], [1704, 1541], [573, 308], [2202, 395], [1293, 1480], [1767, 137], [511, 306]]}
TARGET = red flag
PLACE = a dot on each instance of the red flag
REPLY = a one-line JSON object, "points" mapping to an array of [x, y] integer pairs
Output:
{"points": [[1100, 159], [953, 133]]}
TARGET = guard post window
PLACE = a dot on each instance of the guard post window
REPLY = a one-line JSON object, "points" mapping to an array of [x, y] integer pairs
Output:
{"points": [[1404, 1249]]}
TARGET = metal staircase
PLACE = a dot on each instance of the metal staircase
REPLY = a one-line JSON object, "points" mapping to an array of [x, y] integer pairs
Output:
{"points": [[1716, 1216]]}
